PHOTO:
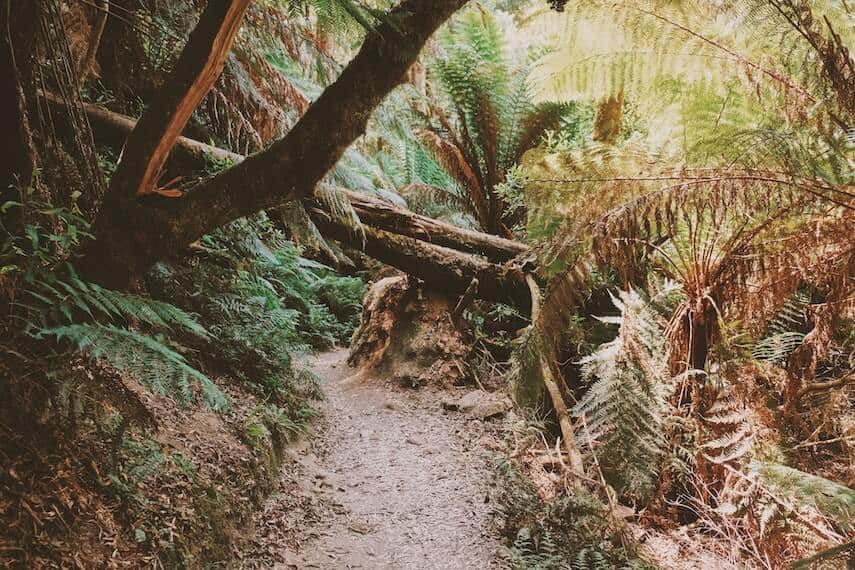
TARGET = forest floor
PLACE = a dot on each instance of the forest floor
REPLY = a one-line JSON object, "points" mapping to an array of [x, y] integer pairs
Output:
{"points": [[388, 480]]}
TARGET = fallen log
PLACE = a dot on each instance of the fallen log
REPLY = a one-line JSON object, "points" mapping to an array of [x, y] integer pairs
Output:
{"points": [[445, 269], [112, 130], [388, 217]]}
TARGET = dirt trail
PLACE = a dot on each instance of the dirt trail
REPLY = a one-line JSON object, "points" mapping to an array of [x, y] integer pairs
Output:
{"points": [[391, 481]]}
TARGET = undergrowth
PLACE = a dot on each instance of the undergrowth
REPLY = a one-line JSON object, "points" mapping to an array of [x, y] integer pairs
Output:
{"points": [[571, 531], [91, 369]]}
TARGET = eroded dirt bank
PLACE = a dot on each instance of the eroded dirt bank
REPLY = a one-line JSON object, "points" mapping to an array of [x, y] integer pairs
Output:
{"points": [[390, 480]]}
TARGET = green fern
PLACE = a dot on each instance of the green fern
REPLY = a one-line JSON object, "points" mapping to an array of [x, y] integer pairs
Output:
{"points": [[783, 336], [64, 299], [829, 498], [142, 459], [623, 412], [526, 555], [116, 327], [105, 325], [492, 122], [156, 366]]}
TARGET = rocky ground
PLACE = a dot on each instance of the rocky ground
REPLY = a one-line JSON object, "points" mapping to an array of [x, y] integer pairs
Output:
{"points": [[393, 478]]}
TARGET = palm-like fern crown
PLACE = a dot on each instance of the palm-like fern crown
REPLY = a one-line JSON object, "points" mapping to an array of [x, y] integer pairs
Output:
{"points": [[747, 194], [493, 120]]}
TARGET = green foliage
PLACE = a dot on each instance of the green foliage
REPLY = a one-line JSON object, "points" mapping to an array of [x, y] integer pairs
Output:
{"points": [[568, 532], [49, 233], [831, 499], [784, 333], [128, 331], [262, 303], [142, 459], [492, 119], [268, 420], [623, 412], [150, 361], [57, 298], [340, 16], [525, 555]]}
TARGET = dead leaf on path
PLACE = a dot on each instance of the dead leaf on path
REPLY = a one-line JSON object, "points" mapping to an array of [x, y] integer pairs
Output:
{"points": [[359, 527]]}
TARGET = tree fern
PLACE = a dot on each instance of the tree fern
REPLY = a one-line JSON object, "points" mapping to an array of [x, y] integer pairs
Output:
{"points": [[709, 66], [493, 120], [622, 413]]}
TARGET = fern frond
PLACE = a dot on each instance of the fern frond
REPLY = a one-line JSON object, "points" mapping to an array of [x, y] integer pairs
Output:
{"points": [[339, 207], [624, 409], [829, 498], [56, 300], [451, 159], [155, 365]]}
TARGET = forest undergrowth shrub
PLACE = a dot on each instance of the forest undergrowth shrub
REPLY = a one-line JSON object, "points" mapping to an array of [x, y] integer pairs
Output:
{"points": [[133, 333], [569, 531], [263, 303], [236, 311]]}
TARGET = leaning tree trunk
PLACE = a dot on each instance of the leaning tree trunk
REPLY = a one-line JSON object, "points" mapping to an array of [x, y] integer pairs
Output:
{"points": [[545, 361], [134, 232], [198, 67], [112, 129]]}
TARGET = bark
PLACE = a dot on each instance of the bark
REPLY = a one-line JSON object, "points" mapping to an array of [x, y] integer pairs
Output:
{"points": [[400, 221], [102, 11], [132, 234], [444, 269], [464, 303], [198, 67], [18, 166]]}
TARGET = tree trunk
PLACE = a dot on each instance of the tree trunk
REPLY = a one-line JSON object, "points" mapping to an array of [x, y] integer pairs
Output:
{"points": [[102, 11], [546, 358], [446, 270], [133, 233], [198, 67], [16, 48]]}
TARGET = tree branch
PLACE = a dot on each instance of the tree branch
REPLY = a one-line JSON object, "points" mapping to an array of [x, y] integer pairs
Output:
{"points": [[198, 67]]}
